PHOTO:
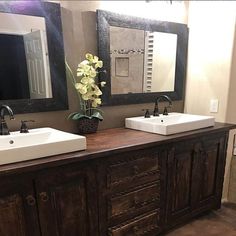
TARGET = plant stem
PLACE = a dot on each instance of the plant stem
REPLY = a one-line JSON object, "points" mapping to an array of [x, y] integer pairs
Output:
{"points": [[89, 106]]}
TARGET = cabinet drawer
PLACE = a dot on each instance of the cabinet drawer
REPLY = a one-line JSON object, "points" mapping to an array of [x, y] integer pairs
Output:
{"points": [[135, 200], [133, 168], [144, 226]]}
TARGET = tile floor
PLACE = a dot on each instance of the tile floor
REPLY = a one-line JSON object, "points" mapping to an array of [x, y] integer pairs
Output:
{"points": [[217, 223]]}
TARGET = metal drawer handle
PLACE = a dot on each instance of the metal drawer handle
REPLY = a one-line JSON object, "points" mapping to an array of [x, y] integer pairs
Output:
{"points": [[44, 196], [30, 200]]}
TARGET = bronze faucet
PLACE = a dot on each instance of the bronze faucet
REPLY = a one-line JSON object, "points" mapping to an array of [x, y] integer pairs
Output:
{"points": [[3, 125], [156, 109]]}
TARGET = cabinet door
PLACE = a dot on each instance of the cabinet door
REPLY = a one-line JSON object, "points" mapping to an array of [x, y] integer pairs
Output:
{"points": [[67, 202], [18, 213], [208, 172], [195, 177], [179, 189]]}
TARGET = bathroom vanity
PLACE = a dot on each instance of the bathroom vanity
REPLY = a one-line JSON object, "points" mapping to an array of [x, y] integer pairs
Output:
{"points": [[127, 183]]}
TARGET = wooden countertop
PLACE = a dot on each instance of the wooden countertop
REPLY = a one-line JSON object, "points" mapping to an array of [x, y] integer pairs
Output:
{"points": [[107, 142]]}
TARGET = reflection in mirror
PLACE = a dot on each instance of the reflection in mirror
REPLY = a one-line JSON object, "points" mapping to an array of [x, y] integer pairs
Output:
{"points": [[24, 62], [142, 61], [143, 58], [127, 57], [38, 81], [160, 62]]}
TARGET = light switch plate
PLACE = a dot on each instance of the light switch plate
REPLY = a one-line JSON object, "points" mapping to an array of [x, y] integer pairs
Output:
{"points": [[214, 105]]}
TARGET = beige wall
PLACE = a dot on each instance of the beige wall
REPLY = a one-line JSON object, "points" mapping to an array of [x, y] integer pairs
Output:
{"points": [[212, 65], [209, 56], [230, 177], [80, 36], [231, 108]]}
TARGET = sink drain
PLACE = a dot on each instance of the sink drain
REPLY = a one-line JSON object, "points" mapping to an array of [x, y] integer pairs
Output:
{"points": [[11, 141]]}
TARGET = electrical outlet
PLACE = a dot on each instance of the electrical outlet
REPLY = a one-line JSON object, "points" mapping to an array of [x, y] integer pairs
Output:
{"points": [[214, 104]]}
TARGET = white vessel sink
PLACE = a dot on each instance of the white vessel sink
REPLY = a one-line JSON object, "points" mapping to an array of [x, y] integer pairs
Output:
{"points": [[170, 124], [38, 143]]}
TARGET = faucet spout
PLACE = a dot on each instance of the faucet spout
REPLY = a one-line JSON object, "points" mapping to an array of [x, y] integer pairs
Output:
{"points": [[156, 109], [3, 125], [8, 109]]}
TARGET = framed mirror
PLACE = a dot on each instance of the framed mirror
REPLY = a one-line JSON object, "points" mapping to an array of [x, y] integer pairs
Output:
{"points": [[32, 66], [143, 58]]}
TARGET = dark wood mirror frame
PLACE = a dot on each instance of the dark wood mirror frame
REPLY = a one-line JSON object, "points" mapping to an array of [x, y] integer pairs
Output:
{"points": [[106, 19], [52, 14]]}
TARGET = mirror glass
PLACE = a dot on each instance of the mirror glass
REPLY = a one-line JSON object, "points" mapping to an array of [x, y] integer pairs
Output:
{"points": [[32, 60], [143, 58], [142, 61], [24, 62]]}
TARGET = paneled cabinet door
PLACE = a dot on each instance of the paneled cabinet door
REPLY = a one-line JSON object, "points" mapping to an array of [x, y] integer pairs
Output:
{"points": [[67, 202], [208, 171], [179, 186], [18, 213], [195, 177]]}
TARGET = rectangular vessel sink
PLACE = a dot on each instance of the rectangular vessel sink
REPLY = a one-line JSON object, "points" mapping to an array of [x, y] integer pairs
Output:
{"points": [[38, 143], [170, 124]]}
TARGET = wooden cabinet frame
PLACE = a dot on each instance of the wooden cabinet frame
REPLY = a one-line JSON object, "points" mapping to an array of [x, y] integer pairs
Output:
{"points": [[158, 185]]}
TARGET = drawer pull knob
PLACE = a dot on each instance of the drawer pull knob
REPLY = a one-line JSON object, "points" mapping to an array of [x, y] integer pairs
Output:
{"points": [[30, 200], [136, 170], [44, 196], [136, 200], [136, 229]]}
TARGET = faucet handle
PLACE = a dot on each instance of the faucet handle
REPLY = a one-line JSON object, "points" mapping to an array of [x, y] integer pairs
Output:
{"points": [[156, 110], [24, 128], [165, 112], [147, 113]]}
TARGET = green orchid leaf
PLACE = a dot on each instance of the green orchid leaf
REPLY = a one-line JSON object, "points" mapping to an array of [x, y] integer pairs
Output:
{"points": [[71, 115], [79, 116], [97, 115]]}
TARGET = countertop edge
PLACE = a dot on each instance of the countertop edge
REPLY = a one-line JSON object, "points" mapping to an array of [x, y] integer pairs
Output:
{"points": [[88, 155]]}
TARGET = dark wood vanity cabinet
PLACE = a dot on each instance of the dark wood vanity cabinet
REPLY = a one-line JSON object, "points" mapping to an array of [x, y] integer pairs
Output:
{"points": [[67, 202], [195, 175], [128, 189], [132, 193], [148, 191], [59, 201], [18, 210]]}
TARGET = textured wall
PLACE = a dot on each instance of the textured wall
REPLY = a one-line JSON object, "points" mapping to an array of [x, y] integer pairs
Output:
{"points": [[122, 43]]}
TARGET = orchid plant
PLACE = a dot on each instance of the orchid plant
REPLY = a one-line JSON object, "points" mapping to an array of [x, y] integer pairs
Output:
{"points": [[88, 91]]}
